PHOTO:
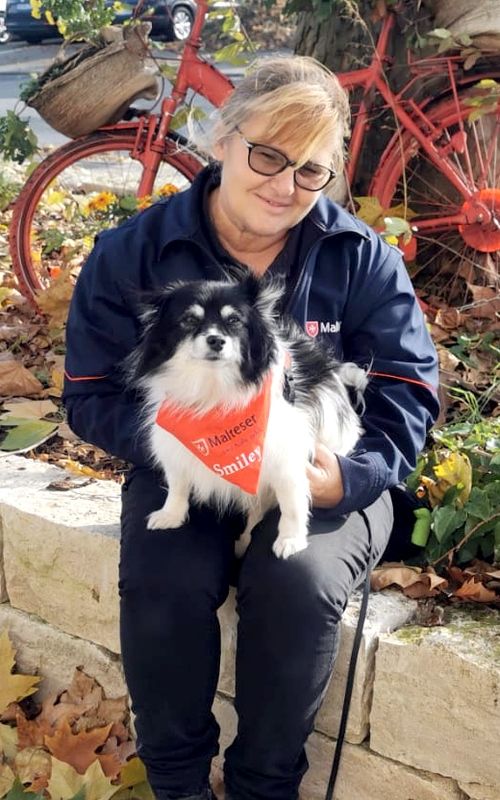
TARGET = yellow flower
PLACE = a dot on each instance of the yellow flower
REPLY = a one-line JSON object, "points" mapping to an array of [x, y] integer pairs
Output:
{"points": [[36, 6], [166, 190], [50, 19], [455, 470], [100, 202], [143, 202]]}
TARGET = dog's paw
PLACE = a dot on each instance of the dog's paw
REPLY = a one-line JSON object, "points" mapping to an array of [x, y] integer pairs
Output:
{"points": [[163, 520], [241, 545], [286, 546]]}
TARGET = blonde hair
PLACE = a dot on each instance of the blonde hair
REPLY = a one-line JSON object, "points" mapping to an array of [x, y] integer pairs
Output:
{"points": [[304, 102]]}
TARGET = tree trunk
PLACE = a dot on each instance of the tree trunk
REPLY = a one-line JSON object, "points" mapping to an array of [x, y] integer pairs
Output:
{"points": [[340, 41]]}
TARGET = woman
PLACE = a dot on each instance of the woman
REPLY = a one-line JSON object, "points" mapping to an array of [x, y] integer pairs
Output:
{"points": [[278, 141]]}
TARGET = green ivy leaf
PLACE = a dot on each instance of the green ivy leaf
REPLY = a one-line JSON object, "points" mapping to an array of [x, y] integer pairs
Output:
{"points": [[446, 520], [478, 505]]}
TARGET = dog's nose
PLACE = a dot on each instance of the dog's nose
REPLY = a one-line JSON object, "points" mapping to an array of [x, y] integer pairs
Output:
{"points": [[216, 343]]}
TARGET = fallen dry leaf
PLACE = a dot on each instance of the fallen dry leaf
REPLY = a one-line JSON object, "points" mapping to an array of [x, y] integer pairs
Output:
{"points": [[30, 409], [486, 301], [31, 732], [448, 318], [54, 301], [77, 749], [15, 379], [476, 591], [414, 581], [12, 687], [33, 767]]}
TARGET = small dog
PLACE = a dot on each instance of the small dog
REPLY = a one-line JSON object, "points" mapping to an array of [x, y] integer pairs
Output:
{"points": [[215, 354]]}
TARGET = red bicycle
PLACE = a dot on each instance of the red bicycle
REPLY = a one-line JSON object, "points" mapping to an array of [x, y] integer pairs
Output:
{"points": [[440, 167]]}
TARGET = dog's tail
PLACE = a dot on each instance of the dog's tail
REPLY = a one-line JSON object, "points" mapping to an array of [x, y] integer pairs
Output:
{"points": [[356, 379]]}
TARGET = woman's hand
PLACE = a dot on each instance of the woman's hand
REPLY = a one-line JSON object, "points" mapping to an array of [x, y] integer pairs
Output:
{"points": [[325, 478]]}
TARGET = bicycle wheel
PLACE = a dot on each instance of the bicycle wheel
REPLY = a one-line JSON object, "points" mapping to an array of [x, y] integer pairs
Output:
{"points": [[84, 187], [407, 178]]}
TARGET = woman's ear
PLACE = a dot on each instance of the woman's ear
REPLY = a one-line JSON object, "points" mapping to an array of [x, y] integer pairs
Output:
{"points": [[218, 150]]}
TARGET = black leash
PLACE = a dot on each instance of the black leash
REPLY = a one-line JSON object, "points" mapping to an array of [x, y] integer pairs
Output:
{"points": [[352, 665]]}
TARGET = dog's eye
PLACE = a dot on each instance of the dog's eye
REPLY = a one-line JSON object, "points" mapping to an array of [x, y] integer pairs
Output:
{"points": [[233, 321], [190, 321]]}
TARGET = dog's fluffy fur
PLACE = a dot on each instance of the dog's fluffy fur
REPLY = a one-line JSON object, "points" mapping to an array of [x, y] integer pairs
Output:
{"points": [[207, 344]]}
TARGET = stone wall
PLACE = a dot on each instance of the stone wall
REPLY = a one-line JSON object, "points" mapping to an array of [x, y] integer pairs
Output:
{"points": [[425, 713]]}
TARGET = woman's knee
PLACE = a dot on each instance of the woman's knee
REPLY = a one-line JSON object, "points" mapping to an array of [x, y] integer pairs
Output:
{"points": [[314, 585], [191, 564]]}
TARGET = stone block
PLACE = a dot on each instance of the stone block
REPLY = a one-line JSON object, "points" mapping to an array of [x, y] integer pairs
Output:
{"points": [[386, 611], [363, 775], [44, 650], [475, 791], [61, 550], [3, 589], [441, 685]]}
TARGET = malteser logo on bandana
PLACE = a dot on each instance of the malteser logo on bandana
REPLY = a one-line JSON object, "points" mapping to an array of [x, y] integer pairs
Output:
{"points": [[230, 443], [312, 328], [202, 446]]}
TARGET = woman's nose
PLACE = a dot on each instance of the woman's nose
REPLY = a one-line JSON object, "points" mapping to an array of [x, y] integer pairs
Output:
{"points": [[284, 182]]}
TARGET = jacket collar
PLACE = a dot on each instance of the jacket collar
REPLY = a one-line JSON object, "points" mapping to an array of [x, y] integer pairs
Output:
{"points": [[184, 209]]}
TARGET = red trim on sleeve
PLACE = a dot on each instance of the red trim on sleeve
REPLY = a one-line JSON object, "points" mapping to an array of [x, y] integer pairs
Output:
{"points": [[407, 380], [84, 377]]}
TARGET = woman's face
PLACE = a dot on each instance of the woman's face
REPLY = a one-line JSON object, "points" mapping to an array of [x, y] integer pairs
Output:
{"points": [[258, 204]]}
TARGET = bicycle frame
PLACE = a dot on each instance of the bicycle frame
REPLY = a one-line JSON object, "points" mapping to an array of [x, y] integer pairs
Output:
{"points": [[419, 125], [194, 73]]}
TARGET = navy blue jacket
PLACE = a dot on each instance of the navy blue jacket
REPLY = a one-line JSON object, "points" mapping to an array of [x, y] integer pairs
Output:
{"points": [[352, 289]]}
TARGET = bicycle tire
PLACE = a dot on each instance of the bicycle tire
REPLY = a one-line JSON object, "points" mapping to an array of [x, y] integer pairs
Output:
{"points": [[471, 251], [30, 217]]}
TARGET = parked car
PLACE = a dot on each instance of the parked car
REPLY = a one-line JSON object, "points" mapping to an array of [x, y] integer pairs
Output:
{"points": [[4, 34], [171, 20]]}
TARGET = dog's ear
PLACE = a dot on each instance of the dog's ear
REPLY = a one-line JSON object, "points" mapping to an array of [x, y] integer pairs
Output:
{"points": [[150, 352], [264, 293], [259, 351]]}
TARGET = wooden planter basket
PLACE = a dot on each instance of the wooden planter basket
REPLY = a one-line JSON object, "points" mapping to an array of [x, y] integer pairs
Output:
{"points": [[100, 88]]}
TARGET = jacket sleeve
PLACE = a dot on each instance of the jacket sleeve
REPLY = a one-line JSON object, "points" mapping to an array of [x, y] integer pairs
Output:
{"points": [[102, 329], [389, 335]]}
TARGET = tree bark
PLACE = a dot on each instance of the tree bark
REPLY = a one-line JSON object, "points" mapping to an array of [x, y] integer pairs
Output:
{"points": [[340, 41]]}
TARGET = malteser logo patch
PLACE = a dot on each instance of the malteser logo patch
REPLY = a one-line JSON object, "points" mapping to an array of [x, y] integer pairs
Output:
{"points": [[312, 328]]}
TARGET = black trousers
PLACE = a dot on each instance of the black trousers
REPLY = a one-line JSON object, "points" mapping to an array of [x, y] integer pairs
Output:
{"points": [[171, 585]]}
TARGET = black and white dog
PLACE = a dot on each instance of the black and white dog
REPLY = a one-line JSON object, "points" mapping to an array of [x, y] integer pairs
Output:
{"points": [[211, 350]]}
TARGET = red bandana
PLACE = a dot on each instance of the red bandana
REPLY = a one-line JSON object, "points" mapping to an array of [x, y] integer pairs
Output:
{"points": [[230, 443]]}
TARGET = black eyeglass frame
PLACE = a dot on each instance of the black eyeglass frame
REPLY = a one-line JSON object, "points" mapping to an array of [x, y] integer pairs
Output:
{"points": [[287, 163]]}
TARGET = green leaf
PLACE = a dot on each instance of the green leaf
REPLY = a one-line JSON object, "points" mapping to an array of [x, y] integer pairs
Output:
{"points": [[128, 203], [445, 520], [495, 463], [17, 792], [169, 71], [440, 33], [232, 53], [24, 434], [396, 226], [487, 545], [467, 552], [478, 505], [80, 795], [496, 533]]}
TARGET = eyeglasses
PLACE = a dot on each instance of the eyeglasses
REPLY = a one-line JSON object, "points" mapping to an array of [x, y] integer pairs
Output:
{"points": [[267, 161]]}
